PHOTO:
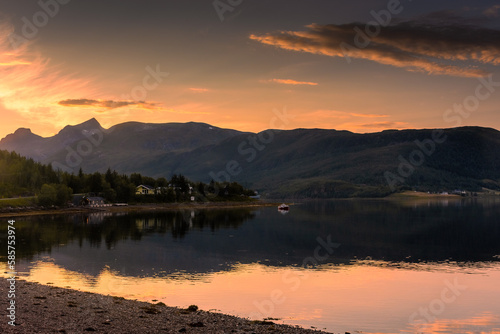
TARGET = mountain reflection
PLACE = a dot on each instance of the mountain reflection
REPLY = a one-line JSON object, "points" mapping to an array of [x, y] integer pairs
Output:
{"points": [[39, 234]]}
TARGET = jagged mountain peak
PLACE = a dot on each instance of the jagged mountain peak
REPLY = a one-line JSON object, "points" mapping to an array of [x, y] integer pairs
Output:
{"points": [[91, 122], [87, 125]]}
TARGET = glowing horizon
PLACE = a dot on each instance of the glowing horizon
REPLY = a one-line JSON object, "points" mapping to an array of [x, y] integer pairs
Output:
{"points": [[232, 71]]}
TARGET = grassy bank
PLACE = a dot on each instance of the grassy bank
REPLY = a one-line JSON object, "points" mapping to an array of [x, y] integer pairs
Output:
{"points": [[17, 202]]}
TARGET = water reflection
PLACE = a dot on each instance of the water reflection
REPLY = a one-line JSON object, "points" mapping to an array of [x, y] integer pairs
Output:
{"points": [[367, 297], [486, 322], [391, 231], [393, 258]]}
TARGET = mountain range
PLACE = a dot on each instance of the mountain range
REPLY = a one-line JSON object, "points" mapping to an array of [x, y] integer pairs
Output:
{"points": [[286, 163]]}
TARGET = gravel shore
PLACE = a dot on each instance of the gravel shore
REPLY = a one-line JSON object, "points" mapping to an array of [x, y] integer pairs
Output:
{"points": [[47, 309]]}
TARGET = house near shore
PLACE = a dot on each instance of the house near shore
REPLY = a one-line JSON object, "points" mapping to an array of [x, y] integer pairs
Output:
{"points": [[144, 190], [93, 202], [148, 190]]}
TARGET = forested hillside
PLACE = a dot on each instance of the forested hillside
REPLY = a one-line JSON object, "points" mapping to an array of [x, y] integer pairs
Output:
{"points": [[23, 177]]}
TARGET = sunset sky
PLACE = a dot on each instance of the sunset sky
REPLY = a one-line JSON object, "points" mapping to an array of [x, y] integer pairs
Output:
{"points": [[236, 63]]}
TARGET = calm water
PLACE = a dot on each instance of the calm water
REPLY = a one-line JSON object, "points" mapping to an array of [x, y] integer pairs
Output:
{"points": [[347, 265]]}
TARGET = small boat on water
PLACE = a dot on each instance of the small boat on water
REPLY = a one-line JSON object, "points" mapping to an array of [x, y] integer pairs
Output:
{"points": [[283, 207]]}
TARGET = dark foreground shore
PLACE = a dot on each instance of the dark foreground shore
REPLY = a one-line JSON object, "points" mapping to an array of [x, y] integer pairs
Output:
{"points": [[46, 309]]}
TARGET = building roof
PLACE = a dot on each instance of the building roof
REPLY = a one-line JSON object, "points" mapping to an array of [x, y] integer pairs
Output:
{"points": [[147, 187]]}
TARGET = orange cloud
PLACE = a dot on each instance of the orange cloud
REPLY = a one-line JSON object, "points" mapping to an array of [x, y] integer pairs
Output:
{"points": [[429, 48], [384, 125], [337, 114], [30, 84], [199, 90], [293, 82], [15, 62]]}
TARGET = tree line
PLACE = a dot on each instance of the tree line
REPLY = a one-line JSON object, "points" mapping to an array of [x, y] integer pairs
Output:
{"points": [[23, 177]]}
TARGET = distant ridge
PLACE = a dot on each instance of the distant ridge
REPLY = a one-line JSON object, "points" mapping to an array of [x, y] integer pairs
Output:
{"points": [[282, 163]]}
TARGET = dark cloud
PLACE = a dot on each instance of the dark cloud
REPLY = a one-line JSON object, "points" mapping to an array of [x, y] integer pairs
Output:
{"points": [[440, 44], [493, 11], [454, 17], [107, 104]]}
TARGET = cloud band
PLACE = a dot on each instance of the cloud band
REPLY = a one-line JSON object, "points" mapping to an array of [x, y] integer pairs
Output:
{"points": [[441, 49]]}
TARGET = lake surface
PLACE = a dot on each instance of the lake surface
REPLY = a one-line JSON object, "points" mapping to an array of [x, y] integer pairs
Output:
{"points": [[374, 266]]}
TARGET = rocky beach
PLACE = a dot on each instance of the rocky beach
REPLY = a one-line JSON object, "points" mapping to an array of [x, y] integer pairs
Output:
{"points": [[46, 309]]}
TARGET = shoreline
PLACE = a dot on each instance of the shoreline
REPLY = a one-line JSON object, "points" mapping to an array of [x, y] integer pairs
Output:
{"points": [[145, 207], [148, 207], [48, 309], [422, 195]]}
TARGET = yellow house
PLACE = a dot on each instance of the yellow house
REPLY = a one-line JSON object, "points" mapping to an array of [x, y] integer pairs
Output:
{"points": [[144, 190]]}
